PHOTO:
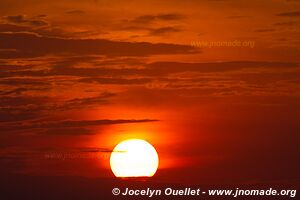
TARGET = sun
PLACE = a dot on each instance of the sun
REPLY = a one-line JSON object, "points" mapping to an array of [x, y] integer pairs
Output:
{"points": [[134, 158]]}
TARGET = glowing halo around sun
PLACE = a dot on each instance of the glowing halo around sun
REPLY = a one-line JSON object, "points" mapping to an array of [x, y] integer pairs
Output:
{"points": [[134, 158]]}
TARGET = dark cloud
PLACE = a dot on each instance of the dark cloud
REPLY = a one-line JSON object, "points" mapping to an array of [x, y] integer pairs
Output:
{"points": [[67, 131], [146, 19], [117, 81], [175, 67], [21, 107], [10, 101], [107, 75], [14, 28], [7, 115], [22, 19], [154, 25], [15, 18], [164, 30], [289, 14], [17, 91], [38, 23], [48, 31], [172, 16], [69, 127], [15, 106], [21, 81], [288, 24], [18, 104], [85, 102], [86, 123], [41, 46], [95, 150]]}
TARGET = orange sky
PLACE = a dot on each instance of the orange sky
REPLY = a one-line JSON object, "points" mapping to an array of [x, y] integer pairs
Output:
{"points": [[80, 76]]}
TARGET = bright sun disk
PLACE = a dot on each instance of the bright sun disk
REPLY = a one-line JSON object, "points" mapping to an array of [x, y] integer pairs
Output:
{"points": [[134, 158]]}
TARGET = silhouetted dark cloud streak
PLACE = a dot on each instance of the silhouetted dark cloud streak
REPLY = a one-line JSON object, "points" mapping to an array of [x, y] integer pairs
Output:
{"points": [[289, 14], [66, 124], [22, 19], [26, 45], [146, 19], [164, 30], [101, 74]]}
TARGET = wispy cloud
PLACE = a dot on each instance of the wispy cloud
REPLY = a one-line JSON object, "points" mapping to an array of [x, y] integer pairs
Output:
{"points": [[23, 19], [147, 19], [289, 14], [42, 46], [68, 127]]}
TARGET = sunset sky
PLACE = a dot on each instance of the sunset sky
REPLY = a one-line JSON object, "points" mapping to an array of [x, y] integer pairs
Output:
{"points": [[78, 77]]}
